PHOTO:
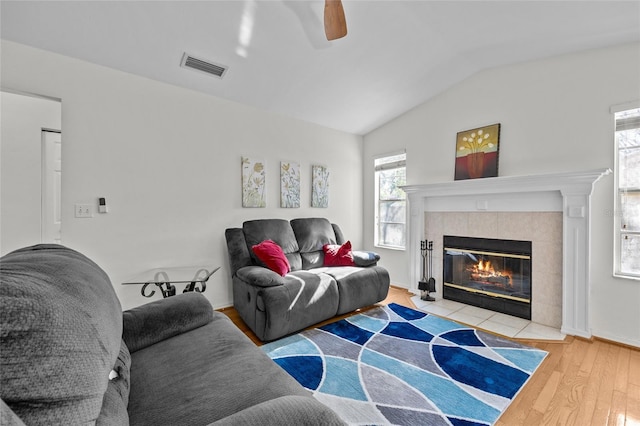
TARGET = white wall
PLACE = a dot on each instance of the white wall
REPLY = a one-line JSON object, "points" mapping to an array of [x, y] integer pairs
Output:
{"points": [[23, 118], [555, 117], [167, 160]]}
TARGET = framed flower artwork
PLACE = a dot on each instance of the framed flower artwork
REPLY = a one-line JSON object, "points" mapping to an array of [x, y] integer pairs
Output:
{"points": [[253, 183], [319, 186], [477, 152], [289, 184]]}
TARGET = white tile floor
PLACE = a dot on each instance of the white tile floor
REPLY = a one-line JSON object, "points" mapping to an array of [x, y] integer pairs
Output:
{"points": [[503, 324]]}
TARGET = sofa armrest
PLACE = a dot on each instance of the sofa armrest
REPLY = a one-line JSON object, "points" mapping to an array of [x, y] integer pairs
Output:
{"points": [[286, 410], [156, 321], [259, 276]]}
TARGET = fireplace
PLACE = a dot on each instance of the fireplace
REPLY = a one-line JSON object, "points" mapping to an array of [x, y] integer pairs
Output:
{"points": [[567, 193], [494, 274]]}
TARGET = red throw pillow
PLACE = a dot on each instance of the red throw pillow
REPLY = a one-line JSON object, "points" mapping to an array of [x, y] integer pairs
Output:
{"points": [[272, 256], [336, 255]]}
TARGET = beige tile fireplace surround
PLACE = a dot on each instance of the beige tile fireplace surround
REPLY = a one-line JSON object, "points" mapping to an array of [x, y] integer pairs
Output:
{"points": [[552, 211], [543, 229]]}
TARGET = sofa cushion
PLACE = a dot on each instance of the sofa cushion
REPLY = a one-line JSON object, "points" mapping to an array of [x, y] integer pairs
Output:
{"points": [[312, 234], [271, 254], [358, 287], [276, 230], [338, 255], [60, 334], [286, 410], [340, 239], [239, 253]]}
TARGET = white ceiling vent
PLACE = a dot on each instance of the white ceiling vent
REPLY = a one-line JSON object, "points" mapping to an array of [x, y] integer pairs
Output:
{"points": [[201, 65]]}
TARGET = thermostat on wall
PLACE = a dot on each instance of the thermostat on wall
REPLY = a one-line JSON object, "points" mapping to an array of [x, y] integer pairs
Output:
{"points": [[102, 205]]}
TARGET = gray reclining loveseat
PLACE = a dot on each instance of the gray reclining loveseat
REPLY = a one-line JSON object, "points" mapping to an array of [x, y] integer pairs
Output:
{"points": [[272, 305]]}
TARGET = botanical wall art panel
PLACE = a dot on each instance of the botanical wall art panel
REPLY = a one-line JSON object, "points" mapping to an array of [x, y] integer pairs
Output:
{"points": [[320, 186], [477, 152], [289, 184], [253, 183]]}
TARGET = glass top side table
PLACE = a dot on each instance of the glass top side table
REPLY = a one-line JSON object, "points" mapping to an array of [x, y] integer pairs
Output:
{"points": [[165, 278]]}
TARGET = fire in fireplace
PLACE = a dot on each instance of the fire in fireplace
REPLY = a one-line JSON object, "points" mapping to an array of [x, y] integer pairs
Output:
{"points": [[488, 273]]}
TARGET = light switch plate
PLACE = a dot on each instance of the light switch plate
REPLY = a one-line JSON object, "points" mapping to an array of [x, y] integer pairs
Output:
{"points": [[83, 210]]}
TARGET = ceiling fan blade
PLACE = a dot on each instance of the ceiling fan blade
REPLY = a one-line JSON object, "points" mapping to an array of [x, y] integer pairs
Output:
{"points": [[335, 25]]}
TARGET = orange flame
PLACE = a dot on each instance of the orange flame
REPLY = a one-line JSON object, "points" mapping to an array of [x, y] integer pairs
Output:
{"points": [[485, 271]]}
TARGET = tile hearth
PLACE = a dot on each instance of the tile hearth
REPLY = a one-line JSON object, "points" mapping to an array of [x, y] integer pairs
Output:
{"points": [[495, 322]]}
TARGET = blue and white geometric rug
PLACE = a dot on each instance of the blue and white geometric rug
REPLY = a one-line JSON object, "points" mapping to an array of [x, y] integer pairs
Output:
{"points": [[396, 365]]}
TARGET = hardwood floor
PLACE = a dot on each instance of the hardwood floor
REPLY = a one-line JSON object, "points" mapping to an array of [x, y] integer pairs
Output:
{"points": [[579, 383]]}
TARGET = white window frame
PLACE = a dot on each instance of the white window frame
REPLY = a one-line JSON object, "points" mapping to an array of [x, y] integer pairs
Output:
{"points": [[619, 231], [402, 163]]}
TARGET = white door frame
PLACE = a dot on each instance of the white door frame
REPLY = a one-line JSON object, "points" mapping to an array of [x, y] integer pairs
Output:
{"points": [[51, 222]]}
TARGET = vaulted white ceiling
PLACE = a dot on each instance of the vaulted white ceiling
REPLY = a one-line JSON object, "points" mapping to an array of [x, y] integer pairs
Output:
{"points": [[396, 55]]}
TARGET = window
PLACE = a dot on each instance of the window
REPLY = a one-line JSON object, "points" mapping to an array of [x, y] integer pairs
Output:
{"points": [[391, 201], [627, 217]]}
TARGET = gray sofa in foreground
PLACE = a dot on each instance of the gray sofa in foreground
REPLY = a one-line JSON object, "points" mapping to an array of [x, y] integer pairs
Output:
{"points": [[70, 356], [272, 305]]}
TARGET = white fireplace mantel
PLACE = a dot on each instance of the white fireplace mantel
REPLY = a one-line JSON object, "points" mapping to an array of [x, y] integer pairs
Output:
{"points": [[566, 192]]}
